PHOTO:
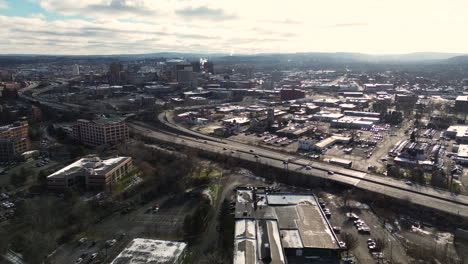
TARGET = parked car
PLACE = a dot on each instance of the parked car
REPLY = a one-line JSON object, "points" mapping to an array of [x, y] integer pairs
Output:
{"points": [[364, 229], [110, 243], [337, 229], [93, 256], [82, 240], [78, 261], [359, 222], [342, 244], [352, 216]]}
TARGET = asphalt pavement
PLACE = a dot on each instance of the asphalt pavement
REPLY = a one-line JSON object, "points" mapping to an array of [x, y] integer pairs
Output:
{"points": [[420, 195]]}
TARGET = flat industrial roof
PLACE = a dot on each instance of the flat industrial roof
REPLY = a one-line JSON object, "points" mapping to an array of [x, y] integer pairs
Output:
{"points": [[331, 140], [460, 131], [462, 151], [146, 251], [290, 221]]}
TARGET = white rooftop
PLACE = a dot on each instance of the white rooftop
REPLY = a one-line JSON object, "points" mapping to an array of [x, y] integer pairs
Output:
{"points": [[462, 151], [460, 131], [145, 251], [93, 166]]}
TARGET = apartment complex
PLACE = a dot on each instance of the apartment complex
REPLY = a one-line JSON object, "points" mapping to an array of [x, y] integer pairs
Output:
{"points": [[14, 140], [90, 173], [282, 228], [100, 132]]}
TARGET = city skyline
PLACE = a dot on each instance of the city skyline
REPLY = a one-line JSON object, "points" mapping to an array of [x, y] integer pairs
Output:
{"points": [[94, 27]]}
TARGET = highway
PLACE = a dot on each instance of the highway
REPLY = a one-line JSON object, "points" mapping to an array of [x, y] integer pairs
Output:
{"points": [[172, 133], [421, 195]]}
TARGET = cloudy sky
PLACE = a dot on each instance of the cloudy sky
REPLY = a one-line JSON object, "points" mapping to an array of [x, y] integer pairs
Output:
{"points": [[232, 26]]}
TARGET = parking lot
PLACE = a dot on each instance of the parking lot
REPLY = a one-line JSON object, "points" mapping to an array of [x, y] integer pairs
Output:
{"points": [[123, 226], [393, 249], [7, 207]]}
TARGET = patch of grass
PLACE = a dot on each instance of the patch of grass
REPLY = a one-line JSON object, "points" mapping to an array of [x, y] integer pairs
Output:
{"points": [[215, 191], [427, 178], [206, 172], [120, 185], [210, 178]]}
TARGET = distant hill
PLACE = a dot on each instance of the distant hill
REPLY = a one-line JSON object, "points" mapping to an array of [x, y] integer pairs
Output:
{"points": [[419, 56], [342, 57], [307, 57], [459, 59]]}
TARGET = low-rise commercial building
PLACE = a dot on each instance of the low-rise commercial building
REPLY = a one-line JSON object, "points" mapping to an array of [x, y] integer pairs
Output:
{"points": [[330, 141], [462, 154], [306, 144], [418, 154], [345, 107], [294, 131], [375, 87], [327, 102], [459, 133], [354, 122], [353, 94], [326, 116], [90, 173], [242, 121], [147, 251], [362, 113], [406, 99]]}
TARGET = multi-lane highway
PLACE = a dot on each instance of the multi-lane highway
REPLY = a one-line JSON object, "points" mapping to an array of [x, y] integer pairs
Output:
{"points": [[417, 194], [170, 132]]}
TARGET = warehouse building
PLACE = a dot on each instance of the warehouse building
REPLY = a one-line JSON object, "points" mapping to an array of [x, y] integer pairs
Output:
{"points": [[354, 122], [280, 228], [326, 116], [361, 114]]}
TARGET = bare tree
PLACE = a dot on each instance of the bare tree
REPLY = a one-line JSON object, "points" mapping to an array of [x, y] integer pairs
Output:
{"points": [[211, 258], [350, 240], [347, 196], [381, 243]]}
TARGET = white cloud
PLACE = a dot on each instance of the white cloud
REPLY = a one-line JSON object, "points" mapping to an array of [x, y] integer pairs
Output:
{"points": [[38, 15], [3, 4], [246, 26]]}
